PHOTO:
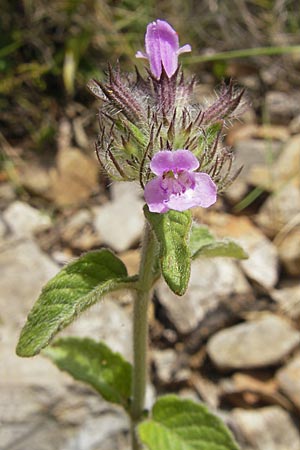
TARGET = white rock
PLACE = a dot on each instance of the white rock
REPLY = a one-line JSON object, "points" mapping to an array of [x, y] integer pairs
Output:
{"points": [[120, 190], [269, 428], [24, 270], [288, 299], [289, 251], [280, 208], [211, 281], [107, 321], [262, 265], [120, 223], [289, 380], [168, 367], [3, 229], [259, 343], [282, 106], [24, 220]]}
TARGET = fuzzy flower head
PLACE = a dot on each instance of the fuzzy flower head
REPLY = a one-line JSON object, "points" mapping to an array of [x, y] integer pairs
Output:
{"points": [[162, 48], [177, 186]]}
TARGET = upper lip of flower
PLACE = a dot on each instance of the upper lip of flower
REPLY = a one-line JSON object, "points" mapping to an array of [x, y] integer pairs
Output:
{"points": [[162, 48]]}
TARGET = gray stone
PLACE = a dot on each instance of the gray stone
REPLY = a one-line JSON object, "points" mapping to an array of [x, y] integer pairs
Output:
{"points": [[119, 223], [287, 165], [75, 224], [106, 431], [211, 281], [289, 251], [289, 380], [279, 209], [24, 270], [7, 194], [288, 299], [23, 220], [263, 262], [294, 125], [282, 106], [107, 321], [36, 417], [269, 428], [254, 151], [260, 343], [120, 190], [168, 366], [75, 177], [78, 231], [283, 170], [3, 229]]}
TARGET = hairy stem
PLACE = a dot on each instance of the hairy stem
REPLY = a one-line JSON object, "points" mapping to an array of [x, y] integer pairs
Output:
{"points": [[140, 329]]}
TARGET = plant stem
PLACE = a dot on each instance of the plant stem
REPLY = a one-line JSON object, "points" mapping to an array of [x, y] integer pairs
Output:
{"points": [[140, 330], [243, 53]]}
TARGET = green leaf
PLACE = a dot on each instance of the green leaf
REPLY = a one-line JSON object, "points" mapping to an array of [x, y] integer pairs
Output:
{"points": [[172, 230], [178, 424], [200, 236], [203, 244], [226, 248], [95, 364], [78, 286]]}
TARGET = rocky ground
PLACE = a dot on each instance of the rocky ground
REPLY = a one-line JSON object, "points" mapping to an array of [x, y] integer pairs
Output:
{"points": [[232, 341]]}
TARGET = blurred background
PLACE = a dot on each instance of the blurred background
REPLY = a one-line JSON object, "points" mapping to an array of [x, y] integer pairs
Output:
{"points": [[233, 340]]}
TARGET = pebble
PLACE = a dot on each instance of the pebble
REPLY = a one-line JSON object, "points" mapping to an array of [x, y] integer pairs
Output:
{"points": [[289, 251], [119, 190], [168, 367], [289, 380], [24, 270], [7, 194], [269, 428], [262, 266], [279, 209], [282, 106], [106, 321], [131, 259], [255, 151], [3, 229], [211, 281], [75, 224], [78, 231], [287, 165], [24, 220], [263, 342], [283, 170], [74, 179], [288, 299], [120, 223]]}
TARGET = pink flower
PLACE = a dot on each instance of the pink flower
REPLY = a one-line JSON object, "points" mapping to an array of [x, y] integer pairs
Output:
{"points": [[162, 48], [177, 186]]}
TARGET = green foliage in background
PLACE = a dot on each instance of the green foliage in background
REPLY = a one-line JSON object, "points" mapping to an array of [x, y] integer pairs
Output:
{"points": [[48, 50]]}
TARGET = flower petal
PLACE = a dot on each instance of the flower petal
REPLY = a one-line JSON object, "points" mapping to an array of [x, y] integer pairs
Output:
{"points": [[162, 45], [204, 194], [184, 49], [140, 54], [205, 190], [166, 160], [155, 196]]}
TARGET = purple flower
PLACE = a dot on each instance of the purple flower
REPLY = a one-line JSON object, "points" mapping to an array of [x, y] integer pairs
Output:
{"points": [[162, 48], [177, 186]]}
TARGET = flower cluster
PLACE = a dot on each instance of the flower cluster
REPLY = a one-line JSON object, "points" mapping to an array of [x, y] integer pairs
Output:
{"points": [[153, 130]]}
